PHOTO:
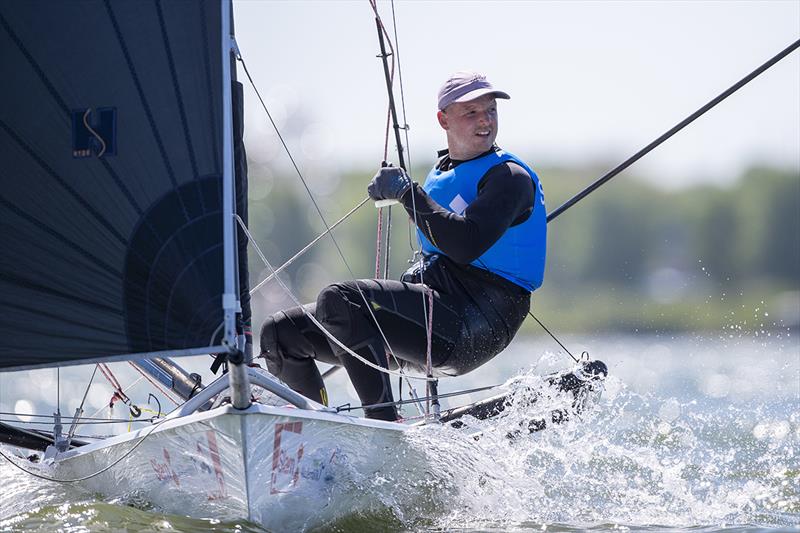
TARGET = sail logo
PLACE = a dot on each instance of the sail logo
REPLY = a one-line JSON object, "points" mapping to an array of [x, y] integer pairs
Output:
{"points": [[94, 132]]}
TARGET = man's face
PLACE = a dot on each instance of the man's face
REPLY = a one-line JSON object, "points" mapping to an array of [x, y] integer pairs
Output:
{"points": [[471, 126]]}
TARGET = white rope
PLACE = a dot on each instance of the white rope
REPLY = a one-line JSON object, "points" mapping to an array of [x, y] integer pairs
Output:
{"points": [[314, 320], [327, 226], [84, 478], [374, 5], [306, 248]]}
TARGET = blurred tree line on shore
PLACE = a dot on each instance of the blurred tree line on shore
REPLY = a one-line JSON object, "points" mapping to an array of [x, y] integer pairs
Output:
{"points": [[630, 257]]}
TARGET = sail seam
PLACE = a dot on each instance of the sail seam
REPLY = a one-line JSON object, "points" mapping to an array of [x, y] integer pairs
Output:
{"points": [[53, 233], [148, 112], [53, 174], [65, 108], [176, 87], [207, 61]]}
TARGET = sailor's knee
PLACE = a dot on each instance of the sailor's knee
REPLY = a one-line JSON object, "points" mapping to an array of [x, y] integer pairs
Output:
{"points": [[270, 349], [332, 301]]}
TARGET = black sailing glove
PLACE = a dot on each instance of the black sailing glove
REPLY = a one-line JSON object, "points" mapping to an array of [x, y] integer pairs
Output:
{"points": [[390, 183]]}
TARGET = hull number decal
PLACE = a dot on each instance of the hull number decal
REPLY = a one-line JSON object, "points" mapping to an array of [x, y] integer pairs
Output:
{"points": [[287, 452]]}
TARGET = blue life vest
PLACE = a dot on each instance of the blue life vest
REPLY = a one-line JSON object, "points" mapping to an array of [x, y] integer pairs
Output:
{"points": [[519, 254]]}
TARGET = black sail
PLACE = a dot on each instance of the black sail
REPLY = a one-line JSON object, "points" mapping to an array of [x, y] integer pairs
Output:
{"points": [[111, 164]]}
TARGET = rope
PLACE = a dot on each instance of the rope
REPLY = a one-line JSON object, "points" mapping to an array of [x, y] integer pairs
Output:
{"points": [[554, 337], [155, 384], [81, 421], [307, 247], [348, 407], [675, 129], [118, 392], [333, 239], [389, 75], [84, 478], [129, 387], [313, 319], [429, 338], [378, 243]]}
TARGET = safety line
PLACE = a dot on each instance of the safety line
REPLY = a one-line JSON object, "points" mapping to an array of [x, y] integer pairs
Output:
{"points": [[81, 421], [84, 478], [348, 407]]}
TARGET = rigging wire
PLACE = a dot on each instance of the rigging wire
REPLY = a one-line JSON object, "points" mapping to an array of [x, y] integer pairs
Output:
{"points": [[405, 127], [79, 410], [393, 114], [313, 319], [554, 337], [94, 474], [348, 407], [307, 247], [328, 228], [34, 415], [81, 421], [154, 384], [390, 78], [675, 129], [644, 151]]}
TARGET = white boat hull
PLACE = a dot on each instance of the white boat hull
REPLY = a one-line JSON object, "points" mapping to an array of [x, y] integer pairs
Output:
{"points": [[283, 468]]}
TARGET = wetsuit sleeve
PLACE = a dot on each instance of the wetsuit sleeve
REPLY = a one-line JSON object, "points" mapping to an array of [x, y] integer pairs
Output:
{"points": [[505, 198]]}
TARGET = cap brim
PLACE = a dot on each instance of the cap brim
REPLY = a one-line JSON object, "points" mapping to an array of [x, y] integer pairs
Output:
{"points": [[477, 93]]}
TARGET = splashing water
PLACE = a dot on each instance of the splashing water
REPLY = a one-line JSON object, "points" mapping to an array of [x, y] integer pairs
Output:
{"points": [[633, 460], [629, 461], [683, 455]]}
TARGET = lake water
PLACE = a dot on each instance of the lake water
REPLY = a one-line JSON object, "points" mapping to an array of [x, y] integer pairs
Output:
{"points": [[694, 432]]}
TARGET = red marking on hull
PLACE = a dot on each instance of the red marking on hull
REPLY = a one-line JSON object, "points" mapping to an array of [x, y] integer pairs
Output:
{"points": [[164, 470], [213, 450], [282, 462]]}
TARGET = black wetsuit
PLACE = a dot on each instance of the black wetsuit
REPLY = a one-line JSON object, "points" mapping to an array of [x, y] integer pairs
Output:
{"points": [[475, 312]]}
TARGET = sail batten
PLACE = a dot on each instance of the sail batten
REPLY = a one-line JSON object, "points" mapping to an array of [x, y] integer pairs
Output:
{"points": [[112, 204]]}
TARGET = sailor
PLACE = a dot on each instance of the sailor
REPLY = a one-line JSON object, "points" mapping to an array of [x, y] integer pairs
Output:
{"points": [[482, 223]]}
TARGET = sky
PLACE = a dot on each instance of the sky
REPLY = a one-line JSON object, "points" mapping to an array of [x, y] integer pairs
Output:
{"points": [[591, 82]]}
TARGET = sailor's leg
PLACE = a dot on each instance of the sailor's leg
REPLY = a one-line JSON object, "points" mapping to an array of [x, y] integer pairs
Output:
{"points": [[373, 387], [401, 309], [290, 342], [339, 310]]}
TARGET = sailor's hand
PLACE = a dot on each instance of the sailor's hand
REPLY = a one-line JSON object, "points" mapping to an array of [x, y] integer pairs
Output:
{"points": [[390, 183]]}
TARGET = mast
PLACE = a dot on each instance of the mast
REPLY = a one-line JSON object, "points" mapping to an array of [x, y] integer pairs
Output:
{"points": [[240, 386]]}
